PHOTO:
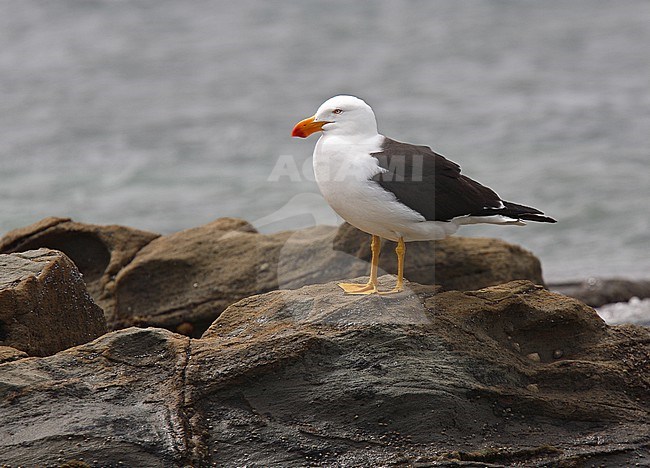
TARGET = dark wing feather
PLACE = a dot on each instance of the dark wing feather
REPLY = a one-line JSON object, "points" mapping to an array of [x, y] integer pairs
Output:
{"points": [[434, 186]]}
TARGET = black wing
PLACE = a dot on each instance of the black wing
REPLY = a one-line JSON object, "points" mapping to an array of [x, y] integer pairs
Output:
{"points": [[434, 187]]}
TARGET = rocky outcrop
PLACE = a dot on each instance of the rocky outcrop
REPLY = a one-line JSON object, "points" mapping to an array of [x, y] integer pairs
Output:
{"points": [[44, 305], [506, 375], [187, 279], [597, 292], [8, 354], [191, 276], [99, 252], [183, 281]]}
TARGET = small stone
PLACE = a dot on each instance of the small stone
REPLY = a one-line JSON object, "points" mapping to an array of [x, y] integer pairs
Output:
{"points": [[534, 357], [516, 347], [557, 354], [532, 388]]}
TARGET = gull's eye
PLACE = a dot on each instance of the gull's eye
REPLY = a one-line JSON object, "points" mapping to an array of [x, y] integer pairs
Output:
{"points": [[337, 111]]}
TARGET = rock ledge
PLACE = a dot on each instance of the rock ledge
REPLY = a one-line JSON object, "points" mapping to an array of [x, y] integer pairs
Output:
{"points": [[312, 377]]}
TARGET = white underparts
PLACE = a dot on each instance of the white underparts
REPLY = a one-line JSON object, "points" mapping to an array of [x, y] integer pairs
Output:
{"points": [[343, 167]]}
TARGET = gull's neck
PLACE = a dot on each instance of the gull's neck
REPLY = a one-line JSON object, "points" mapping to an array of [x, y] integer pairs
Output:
{"points": [[370, 139]]}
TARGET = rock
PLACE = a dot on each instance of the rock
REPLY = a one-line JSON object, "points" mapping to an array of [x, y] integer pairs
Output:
{"points": [[7, 354], [183, 281], [533, 357], [44, 305], [312, 377], [597, 292], [99, 252], [117, 401], [190, 277]]}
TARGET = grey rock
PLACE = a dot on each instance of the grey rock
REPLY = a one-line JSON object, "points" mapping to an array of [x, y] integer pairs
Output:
{"points": [[312, 377], [183, 281], [597, 292]]}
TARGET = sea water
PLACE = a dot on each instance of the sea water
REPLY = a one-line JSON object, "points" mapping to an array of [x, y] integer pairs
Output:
{"points": [[163, 115]]}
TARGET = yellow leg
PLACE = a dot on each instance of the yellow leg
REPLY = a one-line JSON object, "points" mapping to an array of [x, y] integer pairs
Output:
{"points": [[400, 250], [371, 286]]}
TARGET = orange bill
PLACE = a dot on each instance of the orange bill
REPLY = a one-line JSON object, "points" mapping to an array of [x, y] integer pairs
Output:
{"points": [[306, 127]]}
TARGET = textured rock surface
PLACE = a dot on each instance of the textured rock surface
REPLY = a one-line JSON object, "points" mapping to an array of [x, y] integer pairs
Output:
{"points": [[117, 399], [183, 281], [7, 354], [312, 377], [190, 277], [99, 252], [44, 305], [193, 275]]}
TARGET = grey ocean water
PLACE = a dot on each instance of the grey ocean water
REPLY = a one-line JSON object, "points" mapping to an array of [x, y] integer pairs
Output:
{"points": [[164, 115]]}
